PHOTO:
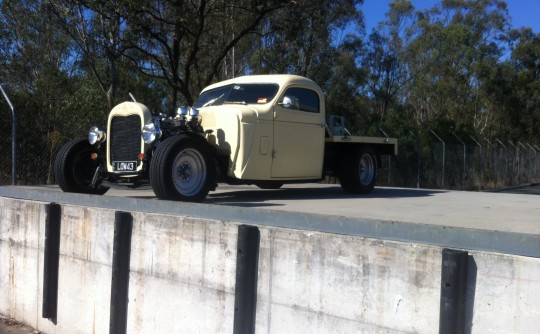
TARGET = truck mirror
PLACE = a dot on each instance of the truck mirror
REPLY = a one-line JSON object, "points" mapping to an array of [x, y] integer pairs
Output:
{"points": [[286, 102]]}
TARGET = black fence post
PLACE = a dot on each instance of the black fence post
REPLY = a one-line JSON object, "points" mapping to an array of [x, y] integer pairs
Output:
{"points": [[453, 291], [123, 225], [51, 260], [247, 264]]}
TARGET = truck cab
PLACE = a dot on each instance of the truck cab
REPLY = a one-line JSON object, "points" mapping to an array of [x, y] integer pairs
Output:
{"points": [[272, 126]]}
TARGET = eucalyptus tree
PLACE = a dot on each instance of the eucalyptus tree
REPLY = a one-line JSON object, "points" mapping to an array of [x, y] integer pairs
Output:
{"points": [[299, 38], [387, 57], [96, 28], [521, 107], [458, 42], [191, 44]]}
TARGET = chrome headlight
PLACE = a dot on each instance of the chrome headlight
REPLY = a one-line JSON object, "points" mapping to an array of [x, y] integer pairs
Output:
{"points": [[96, 135], [150, 132]]}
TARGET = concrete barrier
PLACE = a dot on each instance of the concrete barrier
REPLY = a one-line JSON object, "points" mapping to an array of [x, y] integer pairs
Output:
{"points": [[183, 275]]}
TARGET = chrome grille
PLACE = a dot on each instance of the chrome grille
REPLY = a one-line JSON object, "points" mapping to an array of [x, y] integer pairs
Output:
{"points": [[125, 137]]}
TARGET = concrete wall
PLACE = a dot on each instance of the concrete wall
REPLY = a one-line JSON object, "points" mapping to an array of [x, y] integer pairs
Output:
{"points": [[320, 283], [182, 278], [182, 271]]}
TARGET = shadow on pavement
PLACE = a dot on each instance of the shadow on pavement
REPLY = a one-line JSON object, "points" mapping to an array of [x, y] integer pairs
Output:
{"points": [[250, 197]]}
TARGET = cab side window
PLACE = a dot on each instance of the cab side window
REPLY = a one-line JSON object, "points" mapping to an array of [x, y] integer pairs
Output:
{"points": [[301, 99]]}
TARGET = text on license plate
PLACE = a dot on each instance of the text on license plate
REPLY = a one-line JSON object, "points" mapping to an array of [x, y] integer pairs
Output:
{"points": [[124, 166]]}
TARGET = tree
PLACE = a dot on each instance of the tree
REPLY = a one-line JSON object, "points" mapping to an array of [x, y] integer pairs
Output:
{"points": [[95, 26], [457, 42], [515, 88], [386, 58], [298, 39], [186, 43]]}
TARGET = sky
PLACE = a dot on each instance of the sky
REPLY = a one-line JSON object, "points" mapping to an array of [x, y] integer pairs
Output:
{"points": [[522, 12]]}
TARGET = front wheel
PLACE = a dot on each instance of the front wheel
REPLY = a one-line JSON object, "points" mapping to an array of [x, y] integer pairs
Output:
{"points": [[358, 171], [74, 168], [182, 168]]}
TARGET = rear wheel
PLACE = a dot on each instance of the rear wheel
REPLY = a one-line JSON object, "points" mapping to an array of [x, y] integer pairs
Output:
{"points": [[358, 171], [182, 168], [74, 168]]}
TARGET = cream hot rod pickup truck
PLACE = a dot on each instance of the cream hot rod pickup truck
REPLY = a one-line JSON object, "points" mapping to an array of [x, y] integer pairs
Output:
{"points": [[265, 130]]}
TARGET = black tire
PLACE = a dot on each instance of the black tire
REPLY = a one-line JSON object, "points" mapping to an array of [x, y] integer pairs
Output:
{"points": [[358, 171], [183, 168], [269, 185], [74, 168]]}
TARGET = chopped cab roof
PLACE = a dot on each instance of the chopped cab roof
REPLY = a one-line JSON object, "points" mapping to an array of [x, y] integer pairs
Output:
{"points": [[280, 79]]}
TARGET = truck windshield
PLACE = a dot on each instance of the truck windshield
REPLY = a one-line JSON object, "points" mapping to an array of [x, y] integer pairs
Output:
{"points": [[237, 94]]}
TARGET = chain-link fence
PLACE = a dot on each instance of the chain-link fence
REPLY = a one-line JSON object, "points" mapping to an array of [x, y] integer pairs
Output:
{"points": [[40, 134], [476, 166], [462, 166], [36, 149]]}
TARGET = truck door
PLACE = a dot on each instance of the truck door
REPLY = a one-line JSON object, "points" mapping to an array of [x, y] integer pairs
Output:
{"points": [[298, 135]]}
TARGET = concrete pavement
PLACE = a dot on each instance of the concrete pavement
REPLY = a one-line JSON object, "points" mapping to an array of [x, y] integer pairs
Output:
{"points": [[476, 210], [495, 211]]}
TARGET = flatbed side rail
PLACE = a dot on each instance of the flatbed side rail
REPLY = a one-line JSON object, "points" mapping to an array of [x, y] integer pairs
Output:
{"points": [[376, 141]]}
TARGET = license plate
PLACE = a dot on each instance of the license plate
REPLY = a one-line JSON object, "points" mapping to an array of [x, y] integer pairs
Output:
{"points": [[124, 166]]}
